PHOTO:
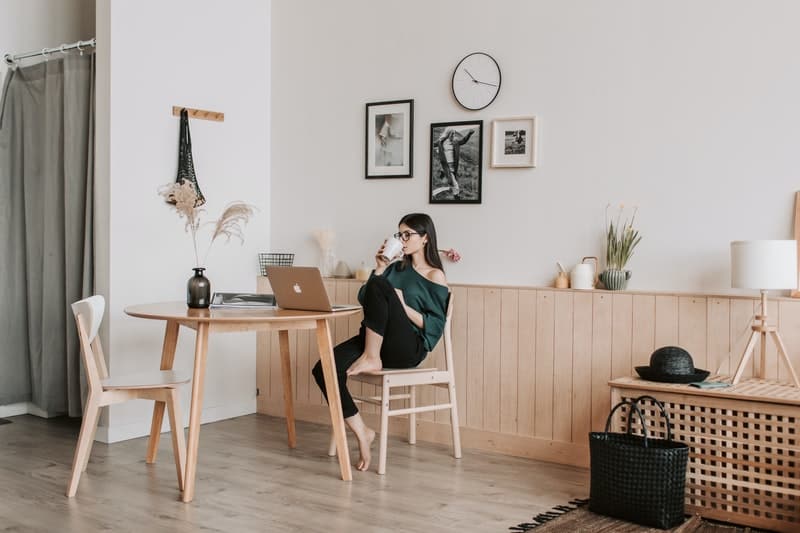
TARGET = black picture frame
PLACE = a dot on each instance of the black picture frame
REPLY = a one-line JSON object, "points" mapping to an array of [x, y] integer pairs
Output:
{"points": [[389, 140], [465, 155]]}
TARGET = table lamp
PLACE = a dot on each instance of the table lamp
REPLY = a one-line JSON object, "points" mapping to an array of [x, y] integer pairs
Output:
{"points": [[764, 265]]}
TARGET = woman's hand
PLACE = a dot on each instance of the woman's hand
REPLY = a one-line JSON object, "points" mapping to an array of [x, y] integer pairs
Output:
{"points": [[381, 262]]}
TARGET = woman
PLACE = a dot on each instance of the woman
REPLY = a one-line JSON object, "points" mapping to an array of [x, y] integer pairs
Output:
{"points": [[405, 303], [449, 144]]}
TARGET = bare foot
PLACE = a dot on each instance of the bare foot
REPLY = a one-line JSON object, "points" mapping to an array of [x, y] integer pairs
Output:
{"points": [[364, 450], [365, 365]]}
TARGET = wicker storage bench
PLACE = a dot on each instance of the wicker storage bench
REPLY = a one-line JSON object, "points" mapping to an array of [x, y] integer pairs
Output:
{"points": [[744, 452]]}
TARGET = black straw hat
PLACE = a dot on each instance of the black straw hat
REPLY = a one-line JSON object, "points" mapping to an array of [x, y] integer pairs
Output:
{"points": [[671, 364]]}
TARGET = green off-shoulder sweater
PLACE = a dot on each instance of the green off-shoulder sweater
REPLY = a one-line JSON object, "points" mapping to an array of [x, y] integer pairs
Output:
{"points": [[422, 295]]}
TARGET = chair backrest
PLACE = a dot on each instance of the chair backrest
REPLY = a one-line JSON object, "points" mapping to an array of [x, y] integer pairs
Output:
{"points": [[88, 317], [447, 337]]}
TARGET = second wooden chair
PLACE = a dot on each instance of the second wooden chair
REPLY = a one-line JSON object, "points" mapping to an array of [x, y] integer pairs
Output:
{"points": [[161, 386]]}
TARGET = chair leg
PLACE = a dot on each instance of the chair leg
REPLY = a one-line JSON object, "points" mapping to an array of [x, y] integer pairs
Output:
{"points": [[384, 428], [451, 388], [178, 439], [91, 444], [332, 446], [412, 417], [155, 432], [91, 416]]}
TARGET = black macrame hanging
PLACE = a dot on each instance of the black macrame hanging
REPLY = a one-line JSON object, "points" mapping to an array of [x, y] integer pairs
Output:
{"points": [[185, 162]]}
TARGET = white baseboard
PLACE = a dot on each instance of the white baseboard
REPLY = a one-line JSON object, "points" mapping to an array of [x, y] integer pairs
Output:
{"points": [[141, 428], [22, 408], [33, 410], [13, 409]]}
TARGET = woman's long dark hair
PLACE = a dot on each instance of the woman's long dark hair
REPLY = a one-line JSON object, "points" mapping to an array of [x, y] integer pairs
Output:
{"points": [[422, 224]]}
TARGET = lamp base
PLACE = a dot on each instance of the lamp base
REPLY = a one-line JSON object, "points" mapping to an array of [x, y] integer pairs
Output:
{"points": [[762, 330]]}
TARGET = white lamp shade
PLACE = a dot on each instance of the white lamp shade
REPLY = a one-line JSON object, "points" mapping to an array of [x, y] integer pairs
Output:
{"points": [[768, 264]]}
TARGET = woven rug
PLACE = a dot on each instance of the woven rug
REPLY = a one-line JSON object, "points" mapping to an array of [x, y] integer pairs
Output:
{"points": [[576, 518]]}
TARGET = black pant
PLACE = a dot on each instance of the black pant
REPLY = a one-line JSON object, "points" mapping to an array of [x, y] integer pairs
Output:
{"points": [[384, 314]]}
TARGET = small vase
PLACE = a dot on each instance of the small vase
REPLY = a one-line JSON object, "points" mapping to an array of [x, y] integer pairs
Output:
{"points": [[327, 264], [198, 290], [615, 280]]}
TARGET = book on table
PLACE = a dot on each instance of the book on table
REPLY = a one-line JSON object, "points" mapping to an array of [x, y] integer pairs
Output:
{"points": [[244, 300]]}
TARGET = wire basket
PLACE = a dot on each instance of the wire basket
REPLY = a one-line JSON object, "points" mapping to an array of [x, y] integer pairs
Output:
{"points": [[273, 259]]}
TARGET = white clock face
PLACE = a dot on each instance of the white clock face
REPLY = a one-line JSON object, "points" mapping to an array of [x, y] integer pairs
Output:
{"points": [[476, 81]]}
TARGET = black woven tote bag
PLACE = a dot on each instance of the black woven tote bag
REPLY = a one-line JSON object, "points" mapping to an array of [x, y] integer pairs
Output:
{"points": [[637, 478], [185, 161]]}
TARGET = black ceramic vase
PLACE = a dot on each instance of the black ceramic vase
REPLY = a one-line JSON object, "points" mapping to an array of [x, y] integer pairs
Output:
{"points": [[198, 290]]}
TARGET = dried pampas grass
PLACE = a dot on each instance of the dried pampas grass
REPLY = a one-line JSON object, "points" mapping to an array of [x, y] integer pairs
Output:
{"points": [[229, 223], [182, 197]]}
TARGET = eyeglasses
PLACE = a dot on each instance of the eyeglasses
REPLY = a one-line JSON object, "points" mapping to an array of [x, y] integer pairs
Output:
{"points": [[405, 235]]}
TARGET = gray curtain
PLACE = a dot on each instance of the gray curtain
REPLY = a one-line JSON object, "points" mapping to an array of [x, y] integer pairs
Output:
{"points": [[46, 245]]}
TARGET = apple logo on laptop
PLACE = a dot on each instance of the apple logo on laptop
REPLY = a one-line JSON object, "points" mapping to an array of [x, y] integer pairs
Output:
{"points": [[297, 288]]}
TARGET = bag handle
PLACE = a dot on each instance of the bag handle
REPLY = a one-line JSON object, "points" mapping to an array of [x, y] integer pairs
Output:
{"points": [[186, 136], [633, 407], [184, 126], [661, 408]]}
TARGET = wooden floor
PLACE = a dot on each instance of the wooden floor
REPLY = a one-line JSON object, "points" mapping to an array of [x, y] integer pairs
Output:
{"points": [[248, 480]]}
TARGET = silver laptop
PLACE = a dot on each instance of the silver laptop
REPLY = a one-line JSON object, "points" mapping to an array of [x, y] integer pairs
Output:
{"points": [[301, 288]]}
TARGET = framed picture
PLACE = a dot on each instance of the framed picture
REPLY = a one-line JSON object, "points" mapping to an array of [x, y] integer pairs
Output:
{"points": [[456, 162], [389, 140], [514, 142]]}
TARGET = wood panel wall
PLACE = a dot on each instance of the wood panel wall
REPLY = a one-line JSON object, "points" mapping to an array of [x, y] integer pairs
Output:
{"points": [[533, 364]]}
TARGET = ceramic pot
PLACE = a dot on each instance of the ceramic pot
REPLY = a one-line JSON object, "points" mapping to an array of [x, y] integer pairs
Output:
{"points": [[615, 280], [562, 281], [198, 290]]}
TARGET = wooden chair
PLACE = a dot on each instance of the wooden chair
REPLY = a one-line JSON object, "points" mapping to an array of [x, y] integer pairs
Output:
{"points": [[410, 378], [161, 386]]}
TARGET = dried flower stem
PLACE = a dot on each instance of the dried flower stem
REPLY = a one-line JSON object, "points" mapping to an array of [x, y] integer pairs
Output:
{"points": [[228, 225]]}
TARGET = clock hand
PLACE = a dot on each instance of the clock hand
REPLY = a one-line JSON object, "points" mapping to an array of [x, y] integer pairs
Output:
{"points": [[485, 83], [471, 76]]}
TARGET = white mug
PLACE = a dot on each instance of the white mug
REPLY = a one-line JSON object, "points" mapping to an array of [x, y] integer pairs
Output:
{"points": [[392, 247]]}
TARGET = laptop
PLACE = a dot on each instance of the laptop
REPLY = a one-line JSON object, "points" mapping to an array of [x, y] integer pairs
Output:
{"points": [[301, 288]]}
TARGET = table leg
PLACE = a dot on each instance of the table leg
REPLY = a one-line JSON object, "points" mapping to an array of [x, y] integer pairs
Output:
{"points": [[286, 370], [195, 409], [334, 402], [167, 360]]}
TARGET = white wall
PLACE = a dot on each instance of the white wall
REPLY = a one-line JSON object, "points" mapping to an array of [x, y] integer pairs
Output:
{"points": [[28, 25], [687, 109], [153, 55]]}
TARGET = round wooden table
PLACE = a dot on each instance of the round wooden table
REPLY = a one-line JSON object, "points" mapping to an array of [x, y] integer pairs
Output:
{"points": [[205, 321]]}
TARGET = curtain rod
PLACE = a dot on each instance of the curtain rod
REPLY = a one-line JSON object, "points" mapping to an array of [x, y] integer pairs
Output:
{"points": [[12, 59]]}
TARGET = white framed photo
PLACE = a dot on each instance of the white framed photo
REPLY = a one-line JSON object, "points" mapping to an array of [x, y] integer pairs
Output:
{"points": [[514, 142]]}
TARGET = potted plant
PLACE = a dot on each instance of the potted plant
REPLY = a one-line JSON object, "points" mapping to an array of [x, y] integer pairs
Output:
{"points": [[621, 239]]}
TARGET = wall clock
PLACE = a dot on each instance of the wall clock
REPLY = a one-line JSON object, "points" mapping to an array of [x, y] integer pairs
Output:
{"points": [[476, 81]]}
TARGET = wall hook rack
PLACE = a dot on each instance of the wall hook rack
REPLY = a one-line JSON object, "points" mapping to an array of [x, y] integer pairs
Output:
{"points": [[199, 113]]}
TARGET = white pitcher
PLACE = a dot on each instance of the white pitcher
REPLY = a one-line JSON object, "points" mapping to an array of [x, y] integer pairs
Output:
{"points": [[582, 276]]}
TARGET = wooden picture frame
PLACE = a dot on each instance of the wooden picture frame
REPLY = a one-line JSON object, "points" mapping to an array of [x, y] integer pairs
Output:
{"points": [[456, 162], [514, 142], [389, 139]]}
